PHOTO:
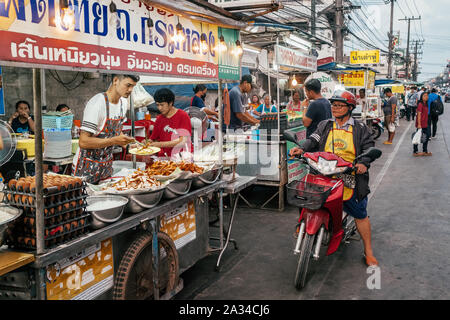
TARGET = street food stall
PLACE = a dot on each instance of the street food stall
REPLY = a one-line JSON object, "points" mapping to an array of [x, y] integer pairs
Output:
{"points": [[263, 150], [132, 236]]}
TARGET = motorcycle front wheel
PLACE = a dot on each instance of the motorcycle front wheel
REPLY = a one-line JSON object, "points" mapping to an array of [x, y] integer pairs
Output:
{"points": [[303, 261], [376, 131]]}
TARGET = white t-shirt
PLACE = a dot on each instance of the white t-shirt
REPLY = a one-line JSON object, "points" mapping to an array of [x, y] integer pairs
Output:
{"points": [[94, 115]]}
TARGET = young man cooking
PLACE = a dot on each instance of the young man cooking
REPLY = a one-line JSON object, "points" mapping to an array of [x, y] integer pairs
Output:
{"points": [[347, 138], [172, 129], [101, 130]]}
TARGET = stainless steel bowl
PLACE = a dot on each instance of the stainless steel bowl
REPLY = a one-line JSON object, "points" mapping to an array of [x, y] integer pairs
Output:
{"points": [[176, 188], [13, 212], [140, 202], [101, 218], [208, 177]]}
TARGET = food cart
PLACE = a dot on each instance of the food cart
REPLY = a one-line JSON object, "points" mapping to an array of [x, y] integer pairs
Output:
{"points": [[89, 256]]}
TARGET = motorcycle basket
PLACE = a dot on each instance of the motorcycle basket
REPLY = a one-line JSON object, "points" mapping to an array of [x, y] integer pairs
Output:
{"points": [[307, 195]]}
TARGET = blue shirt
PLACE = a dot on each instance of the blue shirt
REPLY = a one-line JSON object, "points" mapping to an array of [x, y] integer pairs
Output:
{"points": [[266, 108], [196, 101], [432, 97], [237, 100]]}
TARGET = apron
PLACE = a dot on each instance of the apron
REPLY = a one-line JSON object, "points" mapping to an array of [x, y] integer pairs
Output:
{"points": [[344, 148], [96, 164]]}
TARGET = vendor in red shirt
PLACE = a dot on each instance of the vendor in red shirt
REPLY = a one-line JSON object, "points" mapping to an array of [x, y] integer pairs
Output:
{"points": [[172, 129]]}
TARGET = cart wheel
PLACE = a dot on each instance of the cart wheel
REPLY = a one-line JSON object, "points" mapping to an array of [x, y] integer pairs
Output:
{"points": [[134, 279]]}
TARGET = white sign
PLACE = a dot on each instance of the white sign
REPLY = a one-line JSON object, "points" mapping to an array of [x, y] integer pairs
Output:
{"points": [[294, 59], [239, 3], [327, 82]]}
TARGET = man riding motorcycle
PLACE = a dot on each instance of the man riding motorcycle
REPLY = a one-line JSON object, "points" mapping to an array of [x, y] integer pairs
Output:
{"points": [[347, 137]]}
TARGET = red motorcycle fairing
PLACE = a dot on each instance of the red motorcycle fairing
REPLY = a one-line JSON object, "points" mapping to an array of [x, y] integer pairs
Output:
{"points": [[333, 207]]}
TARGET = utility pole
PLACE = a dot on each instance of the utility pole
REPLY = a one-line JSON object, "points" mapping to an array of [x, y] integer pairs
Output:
{"points": [[339, 37], [407, 44], [313, 17], [415, 73], [390, 40]]}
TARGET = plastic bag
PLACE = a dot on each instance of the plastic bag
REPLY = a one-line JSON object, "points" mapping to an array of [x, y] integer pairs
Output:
{"points": [[141, 98], [391, 127], [417, 136]]}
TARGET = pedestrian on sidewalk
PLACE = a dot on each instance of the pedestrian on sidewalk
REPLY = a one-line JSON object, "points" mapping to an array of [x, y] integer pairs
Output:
{"points": [[412, 104], [433, 118], [389, 111], [422, 123]]}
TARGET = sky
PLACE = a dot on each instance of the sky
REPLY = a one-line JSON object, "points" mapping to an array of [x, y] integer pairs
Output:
{"points": [[433, 27]]}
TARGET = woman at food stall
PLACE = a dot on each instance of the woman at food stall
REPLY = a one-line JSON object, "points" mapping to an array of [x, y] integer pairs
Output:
{"points": [[198, 100], [254, 102], [172, 128], [21, 121], [265, 107], [101, 130], [295, 105]]}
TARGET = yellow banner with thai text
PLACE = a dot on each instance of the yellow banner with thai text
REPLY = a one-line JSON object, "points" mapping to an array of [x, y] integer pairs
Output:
{"points": [[365, 57]]}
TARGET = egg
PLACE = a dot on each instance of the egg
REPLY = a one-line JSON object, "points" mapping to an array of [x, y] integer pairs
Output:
{"points": [[66, 206], [25, 199], [17, 198], [12, 184], [26, 187]]}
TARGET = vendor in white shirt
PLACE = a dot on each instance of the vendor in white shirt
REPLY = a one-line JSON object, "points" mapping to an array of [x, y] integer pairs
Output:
{"points": [[101, 130]]}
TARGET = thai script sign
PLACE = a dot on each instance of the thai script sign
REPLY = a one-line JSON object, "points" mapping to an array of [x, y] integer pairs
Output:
{"points": [[295, 59], [365, 57], [352, 79], [35, 31]]}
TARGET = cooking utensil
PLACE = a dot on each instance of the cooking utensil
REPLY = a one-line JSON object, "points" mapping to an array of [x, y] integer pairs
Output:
{"points": [[111, 214], [13, 212]]}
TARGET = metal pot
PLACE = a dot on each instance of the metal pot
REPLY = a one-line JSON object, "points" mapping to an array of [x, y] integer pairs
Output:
{"points": [[13, 212], [178, 187], [101, 218], [208, 177], [140, 202]]}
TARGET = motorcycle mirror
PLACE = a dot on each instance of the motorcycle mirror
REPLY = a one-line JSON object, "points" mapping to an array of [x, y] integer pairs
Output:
{"points": [[373, 153], [290, 136]]}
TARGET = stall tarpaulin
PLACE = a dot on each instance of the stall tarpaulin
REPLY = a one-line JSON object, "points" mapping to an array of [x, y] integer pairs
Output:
{"points": [[34, 32]]}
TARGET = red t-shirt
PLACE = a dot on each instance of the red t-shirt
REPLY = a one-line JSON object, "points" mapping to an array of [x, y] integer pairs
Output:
{"points": [[423, 109], [169, 129]]}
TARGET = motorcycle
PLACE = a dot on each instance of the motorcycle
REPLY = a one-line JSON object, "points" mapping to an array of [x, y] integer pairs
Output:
{"points": [[376, 127], [319, 195]]}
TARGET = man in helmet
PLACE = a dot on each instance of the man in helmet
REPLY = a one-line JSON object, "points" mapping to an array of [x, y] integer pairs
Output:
{"points": [[348, 138]]}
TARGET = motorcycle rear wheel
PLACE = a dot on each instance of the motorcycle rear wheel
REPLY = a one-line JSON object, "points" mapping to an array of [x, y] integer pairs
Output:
{"points": [[303, 261]]}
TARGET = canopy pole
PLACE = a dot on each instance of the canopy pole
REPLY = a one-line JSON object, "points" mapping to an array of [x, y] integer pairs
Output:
{"points": [[278, 92], [220, 105], [40, 243], [132, 115]]}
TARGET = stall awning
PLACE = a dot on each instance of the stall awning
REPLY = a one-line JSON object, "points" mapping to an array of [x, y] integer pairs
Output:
{"points": [[339, 66], [381, 82]]}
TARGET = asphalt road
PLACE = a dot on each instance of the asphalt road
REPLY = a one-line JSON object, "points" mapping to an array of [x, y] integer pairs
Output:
{"points": [[409, 213]]}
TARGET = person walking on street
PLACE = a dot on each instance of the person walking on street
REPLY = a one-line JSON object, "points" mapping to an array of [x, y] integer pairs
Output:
{"points": [[389, 110], [422, 123], [412, 102], [316, 111], [432, 116]]}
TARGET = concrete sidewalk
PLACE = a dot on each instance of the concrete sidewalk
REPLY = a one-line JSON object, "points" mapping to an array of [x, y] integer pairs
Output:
{"points": [[409, 210]]}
